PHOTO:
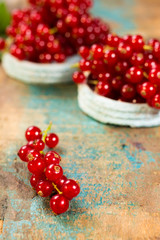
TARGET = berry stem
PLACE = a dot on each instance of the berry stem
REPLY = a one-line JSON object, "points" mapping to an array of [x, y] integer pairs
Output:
{"points": [[94, 82], [45, 132], [147, 47], [55, 187], [145, 75], [53, 30], [76, 65]]}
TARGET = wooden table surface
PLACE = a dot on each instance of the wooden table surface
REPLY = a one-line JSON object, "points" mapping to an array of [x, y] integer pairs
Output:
{"points": [[118, 168]]}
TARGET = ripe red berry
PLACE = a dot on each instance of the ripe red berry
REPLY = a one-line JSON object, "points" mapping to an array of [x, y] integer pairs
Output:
{"points": [[137, 59], [128, 91], [17, 52], [149, 65], [2, 44], [156, 101], [22, 153], [38, 145], [36, 178], [110, 57], [33, 133], [37, 166], [44, 188], [154, 76], [52, 158], [59, 204], [117, 83], [134, 75], [54, 172], [70, 189], [32, 154], [103, 88], [137, 43], [156, 50], [61, 181], [85, 65], [84, 52], [147, 90], [97, 51], [112, 40], [124, 51], [121, 67], [79, 77], [105, 77], [52, 140]]}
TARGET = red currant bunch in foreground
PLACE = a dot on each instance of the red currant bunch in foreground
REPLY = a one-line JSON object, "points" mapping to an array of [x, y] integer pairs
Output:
{"points": [[50, 31], [125, 69], [47, 175]]}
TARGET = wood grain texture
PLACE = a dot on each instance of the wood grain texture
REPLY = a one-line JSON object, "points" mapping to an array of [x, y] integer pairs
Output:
{"points": [[118, 168]]}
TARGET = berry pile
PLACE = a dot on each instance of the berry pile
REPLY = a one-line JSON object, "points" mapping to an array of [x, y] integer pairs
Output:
{"points": [[53, 30], [124, 69], [47, 175]]}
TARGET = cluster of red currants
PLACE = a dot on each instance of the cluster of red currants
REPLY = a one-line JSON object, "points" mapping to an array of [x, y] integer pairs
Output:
{"points": [[50, 30], [124, 69], [47, 175]]}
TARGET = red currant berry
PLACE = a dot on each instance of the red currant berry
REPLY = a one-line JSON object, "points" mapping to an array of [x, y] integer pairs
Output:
{"points": [[128, 91], [117, 83], [156, 50], [137, 59], [121, 67], [134, 75], [110, 57], [32, 154], [124, 51], [59, 204], [33, 133], [61, 181], [149, 65], [112, 40], [38, 145], [78, 77], [54, 172], [59, 57], [17, 52], [53, 46], [37, 166], [51, 140], [156, 101], [2, 43], [70, 189], [147, 90], [71, 20], [152, 42], [44, 188], [52, 158], [137, 43], [84, 52], [22, 153], [97, 51], [36, 178], [45, 58], [85, 65], [154, 76], [103, 88], [105, 77], [127, 39]]}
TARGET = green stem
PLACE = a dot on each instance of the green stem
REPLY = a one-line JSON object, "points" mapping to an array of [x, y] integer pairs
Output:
{"points": [[55, 187], [45, 132]]}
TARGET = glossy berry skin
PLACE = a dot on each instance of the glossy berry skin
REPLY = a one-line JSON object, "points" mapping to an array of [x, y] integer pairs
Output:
{"points": [[54, 172], [59, 204], [22, 153], [17, 52], [44, 188], [137, 59], [121, 67], [52, 158], [51, 140], [156, 101], [112, 40], [85, 65], [32, 154], [2, 44], [154, 76], [110, 57], [79, 77], [104, 77], [147, 90], [117, 83], [103, 88], [36, 178], [33, 133], [137, 43], [38, 145], [149, 65], [128, 91], [124, 51], [37, 166], [84, 52], [61, 181], [97, 51], [70, 189], [134, 75]]}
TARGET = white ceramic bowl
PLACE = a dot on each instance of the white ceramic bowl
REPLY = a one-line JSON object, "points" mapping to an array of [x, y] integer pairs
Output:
{"points": [[36, 73], [110, 111]]}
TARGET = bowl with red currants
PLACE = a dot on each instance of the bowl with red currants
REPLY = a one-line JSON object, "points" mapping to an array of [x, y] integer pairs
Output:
{"points": [[119, 82], [43, 39]]}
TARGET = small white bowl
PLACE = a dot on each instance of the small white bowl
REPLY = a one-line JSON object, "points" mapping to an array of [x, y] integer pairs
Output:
{"points": [[37, 73], [110, 111]]}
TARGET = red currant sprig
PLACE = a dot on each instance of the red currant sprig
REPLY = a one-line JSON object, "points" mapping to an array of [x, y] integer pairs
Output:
{"points": [[47, 175], [125, 69]]}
